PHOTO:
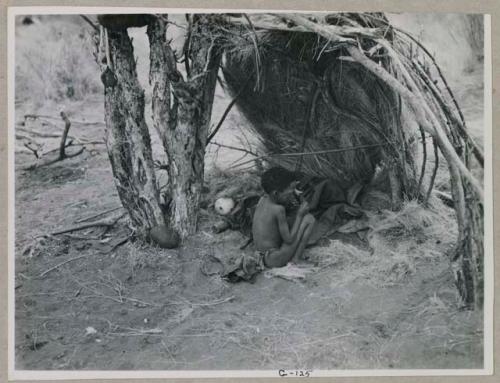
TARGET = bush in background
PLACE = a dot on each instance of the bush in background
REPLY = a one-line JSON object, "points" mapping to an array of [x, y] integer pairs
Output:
{"points": [[55, 61]]}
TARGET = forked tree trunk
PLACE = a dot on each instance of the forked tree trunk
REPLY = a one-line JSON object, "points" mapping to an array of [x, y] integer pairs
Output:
{"points": [[127, 137], [181, 114]]}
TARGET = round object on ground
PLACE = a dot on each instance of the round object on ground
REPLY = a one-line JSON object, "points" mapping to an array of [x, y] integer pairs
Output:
{"points": [[223, 206], [165, 237]]}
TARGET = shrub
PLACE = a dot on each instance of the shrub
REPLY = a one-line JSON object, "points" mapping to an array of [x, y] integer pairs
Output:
{"points": [[55, 61]]}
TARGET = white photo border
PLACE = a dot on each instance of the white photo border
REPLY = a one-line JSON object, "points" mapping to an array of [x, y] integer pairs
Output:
{"points": [[52, 375]]}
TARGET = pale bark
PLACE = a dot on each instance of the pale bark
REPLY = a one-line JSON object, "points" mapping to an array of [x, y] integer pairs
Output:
{"points": [[127, 136], [183, 123]]}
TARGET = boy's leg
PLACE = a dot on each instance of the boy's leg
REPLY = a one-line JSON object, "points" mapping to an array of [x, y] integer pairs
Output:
{"points": [[308, 223], [286, 252]]}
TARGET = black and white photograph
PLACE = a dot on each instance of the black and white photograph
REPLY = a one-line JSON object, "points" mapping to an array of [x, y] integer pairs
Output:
{"points": [[284, 192]]}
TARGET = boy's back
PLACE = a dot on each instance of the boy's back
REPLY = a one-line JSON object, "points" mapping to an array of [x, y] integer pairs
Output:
{"points": [[265, 227]]}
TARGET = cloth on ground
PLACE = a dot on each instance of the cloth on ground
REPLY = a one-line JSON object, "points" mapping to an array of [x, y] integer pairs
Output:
{"points": [[291, 272], [337, 209], [247, 268], [340, 217]]}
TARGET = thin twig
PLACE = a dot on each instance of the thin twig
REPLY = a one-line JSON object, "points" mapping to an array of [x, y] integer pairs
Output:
{"points": [[44, 116], [234, 148], [137, 332], [35, 151], [202, 304], [313, 153], [228, 109], [62, 264]]}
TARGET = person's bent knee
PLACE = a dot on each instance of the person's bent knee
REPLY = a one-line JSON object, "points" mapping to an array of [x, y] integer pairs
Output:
{"points": [[309, 218]]}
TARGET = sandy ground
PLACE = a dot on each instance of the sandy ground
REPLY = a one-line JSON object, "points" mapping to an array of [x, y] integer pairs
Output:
{"points": [[137, 307]]}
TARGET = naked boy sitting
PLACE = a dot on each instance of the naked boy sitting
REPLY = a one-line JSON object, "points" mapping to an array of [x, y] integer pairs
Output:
{"points": [[274, 240]]}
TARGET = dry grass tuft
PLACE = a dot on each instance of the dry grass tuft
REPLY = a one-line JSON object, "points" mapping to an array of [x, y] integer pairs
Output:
{"points": [[399, 242], [414, 221]]}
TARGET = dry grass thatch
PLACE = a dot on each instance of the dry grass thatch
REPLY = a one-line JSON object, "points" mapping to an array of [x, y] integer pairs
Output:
{"points": [[304, 93], [301, 98]]}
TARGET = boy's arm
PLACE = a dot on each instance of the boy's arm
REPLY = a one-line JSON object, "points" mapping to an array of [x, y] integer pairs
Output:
{"points": [[287, 235], [318, 190]]}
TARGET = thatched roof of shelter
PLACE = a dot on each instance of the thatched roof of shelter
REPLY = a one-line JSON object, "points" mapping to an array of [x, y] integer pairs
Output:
{"points": [[303, 92]]}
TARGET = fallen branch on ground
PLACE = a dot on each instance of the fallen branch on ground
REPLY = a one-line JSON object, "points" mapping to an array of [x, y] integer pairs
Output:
{"points": [[108, 222], [36, 116], [53, 161], [34, 150], [137, 331], [35, 133], [120, 243], [94, 216], [62, 147], [203, 304], [62, 264]]}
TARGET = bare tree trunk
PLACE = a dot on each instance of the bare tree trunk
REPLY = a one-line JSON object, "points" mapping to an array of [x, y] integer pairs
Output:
{"points": [[127, 136], [183, 122]]}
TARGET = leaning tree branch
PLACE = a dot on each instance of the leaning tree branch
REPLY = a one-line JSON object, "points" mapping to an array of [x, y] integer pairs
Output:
{"points": [[95, 27], [423, 113], [234, 148], [228, 109], [434, 172]]}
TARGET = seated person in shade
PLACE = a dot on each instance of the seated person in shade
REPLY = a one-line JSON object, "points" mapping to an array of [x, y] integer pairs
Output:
{"points": [[275, 241]]}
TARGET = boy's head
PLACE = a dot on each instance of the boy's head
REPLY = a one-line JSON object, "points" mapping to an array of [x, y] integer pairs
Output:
{"points": [[279, 183]]}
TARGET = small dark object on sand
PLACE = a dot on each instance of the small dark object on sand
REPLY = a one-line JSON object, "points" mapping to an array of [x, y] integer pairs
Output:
{"points": [[165, 237]]}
